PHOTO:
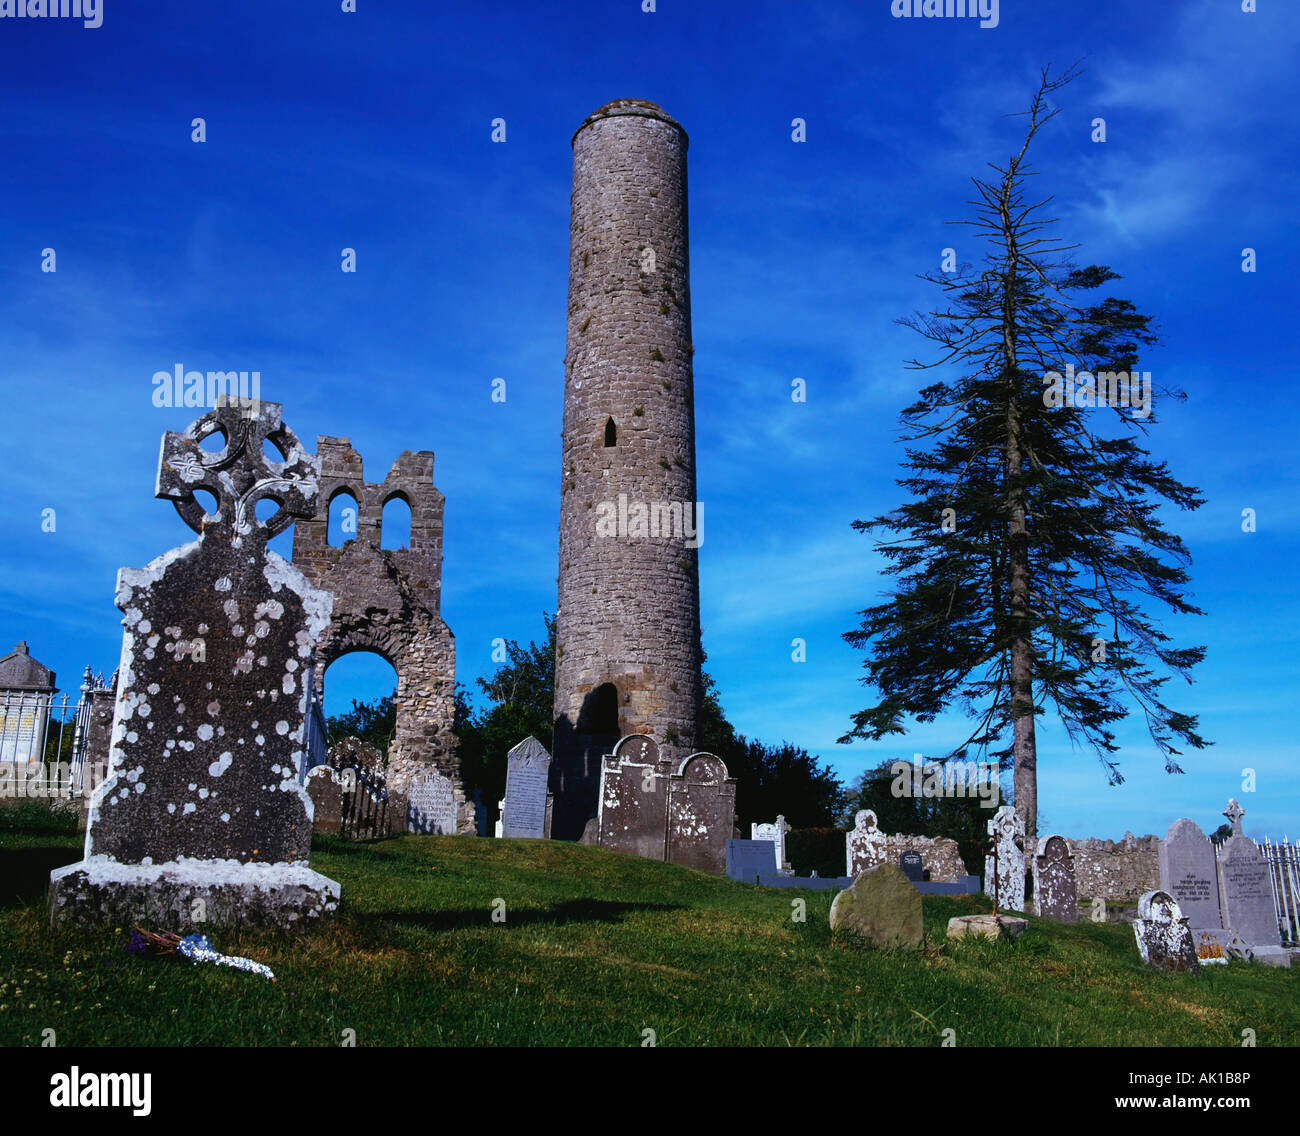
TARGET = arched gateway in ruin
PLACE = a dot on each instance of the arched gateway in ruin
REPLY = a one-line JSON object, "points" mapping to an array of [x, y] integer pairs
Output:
{"points": [[387, 601]]}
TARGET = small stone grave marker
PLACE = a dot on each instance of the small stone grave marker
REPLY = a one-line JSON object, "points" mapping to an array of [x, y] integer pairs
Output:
{"points": [[882, 908], [1056, 891], [326, 794], [910, 862], [1164, 940]]}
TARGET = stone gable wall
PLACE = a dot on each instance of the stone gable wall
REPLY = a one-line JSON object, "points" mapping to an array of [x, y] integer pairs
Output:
{"points": [[387, 601]]}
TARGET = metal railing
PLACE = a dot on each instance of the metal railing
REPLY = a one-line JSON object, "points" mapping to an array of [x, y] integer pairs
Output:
{"points": [[1283, 862], [44, 738]]}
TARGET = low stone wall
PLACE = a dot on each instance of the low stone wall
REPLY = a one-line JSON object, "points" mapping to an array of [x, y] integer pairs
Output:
{"points": [[1116, 869], [939, 856]]}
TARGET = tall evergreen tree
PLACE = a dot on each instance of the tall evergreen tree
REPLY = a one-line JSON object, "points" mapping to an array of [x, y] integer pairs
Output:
{"points": [[1034, 533]]}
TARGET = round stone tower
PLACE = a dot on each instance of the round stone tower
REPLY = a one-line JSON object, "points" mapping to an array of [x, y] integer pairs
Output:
{"points": [[627, 655]]}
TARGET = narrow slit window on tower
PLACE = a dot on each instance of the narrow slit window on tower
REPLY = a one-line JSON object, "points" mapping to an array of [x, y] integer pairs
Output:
{"points": [[611, 433]]}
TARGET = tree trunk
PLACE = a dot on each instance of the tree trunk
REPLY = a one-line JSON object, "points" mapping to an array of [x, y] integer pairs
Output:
{"points": [[1025, 776]]}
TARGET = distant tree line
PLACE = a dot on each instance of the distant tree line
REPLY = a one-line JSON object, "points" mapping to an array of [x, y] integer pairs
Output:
{"points": [[771, 780]]}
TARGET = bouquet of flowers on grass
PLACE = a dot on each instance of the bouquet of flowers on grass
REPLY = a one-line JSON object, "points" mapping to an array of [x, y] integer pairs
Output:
{"points": [[196, 948]]}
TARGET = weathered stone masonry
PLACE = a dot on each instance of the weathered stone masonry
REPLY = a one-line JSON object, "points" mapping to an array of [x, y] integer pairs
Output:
{"points": [[1116, 870], [627, 641], [387, 601]]}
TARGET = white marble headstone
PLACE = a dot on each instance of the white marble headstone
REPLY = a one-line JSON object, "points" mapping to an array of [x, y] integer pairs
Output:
{"points": [[776, 834], [527, 774]]}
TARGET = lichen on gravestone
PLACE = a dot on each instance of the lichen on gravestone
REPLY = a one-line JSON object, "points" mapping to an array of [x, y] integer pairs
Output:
{"points": [[207, 742], [1164, 940]]}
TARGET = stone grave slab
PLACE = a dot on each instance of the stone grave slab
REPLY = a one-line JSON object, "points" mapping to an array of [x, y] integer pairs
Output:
{"points": [[864, 844], [701, 813], [882, 908], [1247, 894], [527, 776], [1188, 873], [632, 809], [326, 793], [1005, 872], [910, 863], [1056, 891], [747, 860], [776, 834], [431, 805]]}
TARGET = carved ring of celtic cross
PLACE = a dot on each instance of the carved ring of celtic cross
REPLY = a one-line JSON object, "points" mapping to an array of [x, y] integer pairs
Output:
{"points": [[241, 474]]}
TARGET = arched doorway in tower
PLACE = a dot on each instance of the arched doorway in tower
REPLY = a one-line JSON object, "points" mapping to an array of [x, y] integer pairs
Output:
{"points": [[598, 718]]}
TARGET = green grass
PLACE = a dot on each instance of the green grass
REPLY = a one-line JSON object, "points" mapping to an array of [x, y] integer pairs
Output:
{"points": [[596, 948]]}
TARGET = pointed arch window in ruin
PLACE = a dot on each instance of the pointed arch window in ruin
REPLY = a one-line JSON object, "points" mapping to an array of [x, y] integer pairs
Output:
{"points": [[611, 433]]}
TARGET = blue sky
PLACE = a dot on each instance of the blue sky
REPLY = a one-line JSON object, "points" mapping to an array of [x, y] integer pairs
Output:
{"points": [[372, 130]]}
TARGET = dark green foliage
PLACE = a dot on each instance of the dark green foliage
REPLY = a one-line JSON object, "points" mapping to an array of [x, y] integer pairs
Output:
{"points": [[1220, 834], [521, 702], [1056, 542], [59, 735], [36, 816], [373, 722], [781, 780], [819, 850]]}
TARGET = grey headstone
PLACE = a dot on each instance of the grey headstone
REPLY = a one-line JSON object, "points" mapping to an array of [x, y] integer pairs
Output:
{"points": [[1187, 872], [326, 794], [527, 774], [748, 859], [864, 844], [775, 832], [1056, 891], [701, 813], [480, 814], [1248, 893], [431, 805], [632, 809], [647, 807]]}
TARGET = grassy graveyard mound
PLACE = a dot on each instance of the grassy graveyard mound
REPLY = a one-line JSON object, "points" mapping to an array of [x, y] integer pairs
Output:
{"points": [[595, 947]]}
